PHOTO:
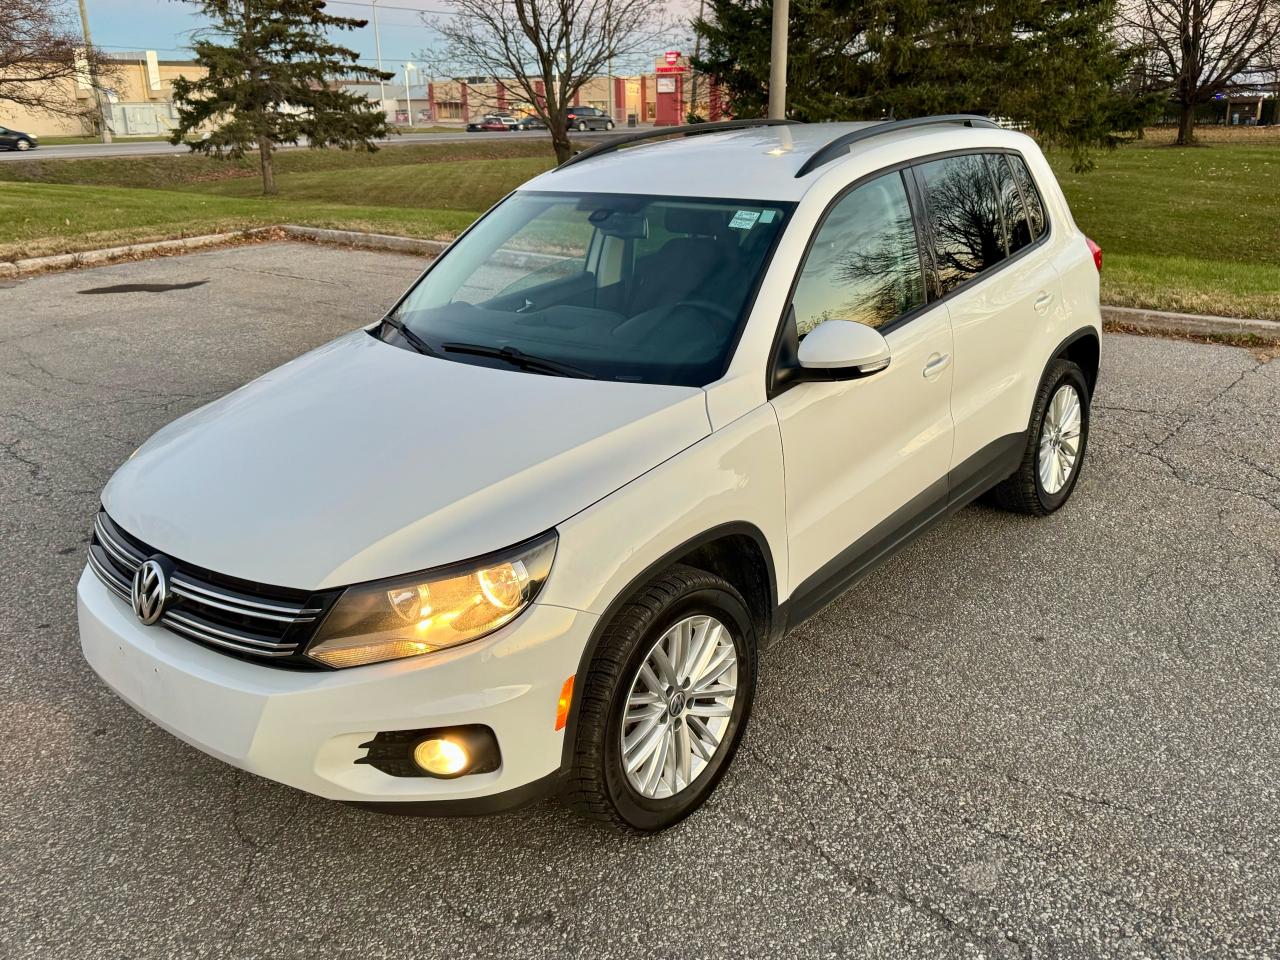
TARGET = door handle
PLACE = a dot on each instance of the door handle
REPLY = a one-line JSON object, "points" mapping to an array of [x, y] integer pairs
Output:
{"points": [[1043, 301], [936, 364]]}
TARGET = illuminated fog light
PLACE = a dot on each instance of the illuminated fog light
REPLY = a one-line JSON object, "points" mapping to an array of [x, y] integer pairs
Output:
{"points": [[440, 757]]}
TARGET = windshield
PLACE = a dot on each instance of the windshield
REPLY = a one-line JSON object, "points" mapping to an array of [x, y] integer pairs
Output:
{"points": [[632, 288]]}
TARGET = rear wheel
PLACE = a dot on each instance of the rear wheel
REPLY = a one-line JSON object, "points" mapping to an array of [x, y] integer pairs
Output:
{"points": [[1055, 444], [665, 702], [582, 126]]}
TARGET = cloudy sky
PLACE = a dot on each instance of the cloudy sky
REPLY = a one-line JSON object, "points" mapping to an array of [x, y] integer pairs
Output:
{"points": [[166, 26]]}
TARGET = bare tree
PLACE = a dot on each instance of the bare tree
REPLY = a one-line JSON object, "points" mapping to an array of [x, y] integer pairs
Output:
{"points": [[1198, 49], [43, 55], [545, 49]]}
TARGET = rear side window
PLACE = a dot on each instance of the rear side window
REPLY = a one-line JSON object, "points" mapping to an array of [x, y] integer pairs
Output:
{"points": [[1035, 206], [964, 218], [864, 264], [1016, 225]]}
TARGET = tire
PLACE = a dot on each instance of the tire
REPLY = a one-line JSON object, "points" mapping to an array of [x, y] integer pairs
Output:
{"points": [[1028, 491], [23, 145], [582, 126], [599, 785], [609, 125]]}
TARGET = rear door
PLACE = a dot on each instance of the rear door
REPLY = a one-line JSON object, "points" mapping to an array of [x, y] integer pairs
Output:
{"points": [[7, 139], [865, 459], [1001, 290]]}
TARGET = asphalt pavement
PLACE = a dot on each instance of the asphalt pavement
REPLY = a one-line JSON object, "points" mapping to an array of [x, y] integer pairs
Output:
{"points": [[149, 148], [1017, 738]]}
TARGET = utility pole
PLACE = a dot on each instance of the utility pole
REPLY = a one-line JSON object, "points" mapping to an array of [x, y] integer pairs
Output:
{"points": [[93, 73], [377, 43], [778, 61], [408, 67]]}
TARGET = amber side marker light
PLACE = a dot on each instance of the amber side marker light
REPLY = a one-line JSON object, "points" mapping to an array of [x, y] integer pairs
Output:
{"points": [[562, 706]]}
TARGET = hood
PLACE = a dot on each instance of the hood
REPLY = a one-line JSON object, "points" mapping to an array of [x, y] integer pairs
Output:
{"points": [[361, 460]]}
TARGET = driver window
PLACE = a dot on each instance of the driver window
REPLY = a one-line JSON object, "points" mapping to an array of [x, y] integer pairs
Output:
{"points": [[864, 264]]}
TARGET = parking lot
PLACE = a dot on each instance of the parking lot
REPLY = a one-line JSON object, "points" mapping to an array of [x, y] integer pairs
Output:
{"points": [[1017, 738]]}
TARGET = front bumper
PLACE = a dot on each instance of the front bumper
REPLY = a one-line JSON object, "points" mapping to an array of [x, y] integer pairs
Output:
{"points": [[304, 729]]}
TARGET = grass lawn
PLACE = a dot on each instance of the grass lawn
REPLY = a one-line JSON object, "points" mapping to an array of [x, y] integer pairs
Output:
{"points": [[1194, 229], [1188, 229]]}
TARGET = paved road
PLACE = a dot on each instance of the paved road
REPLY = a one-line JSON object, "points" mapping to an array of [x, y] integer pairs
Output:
{"points": [[147, 148], [1018, 738]]}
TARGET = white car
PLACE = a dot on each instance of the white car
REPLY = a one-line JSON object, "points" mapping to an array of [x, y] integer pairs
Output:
{"points": [[528, 532]]}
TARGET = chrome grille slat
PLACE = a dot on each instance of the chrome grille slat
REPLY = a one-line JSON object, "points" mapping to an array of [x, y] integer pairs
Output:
{"points": [[241, 604], [126, 557], [116, 586], [239, 648], [223, 633], [213, 614]]}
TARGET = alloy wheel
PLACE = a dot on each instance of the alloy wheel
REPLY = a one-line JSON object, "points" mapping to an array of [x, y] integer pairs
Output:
{"points": [[1060, 439], [679, 707]]}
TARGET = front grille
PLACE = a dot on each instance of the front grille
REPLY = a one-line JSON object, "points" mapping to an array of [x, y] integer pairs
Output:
{"points": [[239, 617]]}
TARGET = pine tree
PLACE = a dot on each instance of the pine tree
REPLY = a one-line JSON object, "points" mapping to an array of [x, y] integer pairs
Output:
{"points": [[271, 70], [1051, 63]]}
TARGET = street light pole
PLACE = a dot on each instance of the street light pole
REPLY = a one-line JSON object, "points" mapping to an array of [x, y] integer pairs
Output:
{"points": [[778, 61], [93, 73], [377, 43]]}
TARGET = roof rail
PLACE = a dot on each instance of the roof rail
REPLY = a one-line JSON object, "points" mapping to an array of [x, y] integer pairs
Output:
{"points": [[690, 130], [841, 145]]}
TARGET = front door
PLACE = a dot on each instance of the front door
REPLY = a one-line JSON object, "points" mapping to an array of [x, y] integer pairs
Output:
{"points": [[865, 459]]}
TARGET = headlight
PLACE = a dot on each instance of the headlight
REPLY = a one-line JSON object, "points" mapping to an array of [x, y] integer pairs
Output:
{"points": [[419, 613]]}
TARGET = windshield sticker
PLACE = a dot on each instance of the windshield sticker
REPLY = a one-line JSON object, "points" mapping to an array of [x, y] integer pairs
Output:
{"points": [[767, 216], [744, 219]]}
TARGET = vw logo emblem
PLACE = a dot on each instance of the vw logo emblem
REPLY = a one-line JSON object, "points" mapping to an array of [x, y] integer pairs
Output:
{"points": [[150, 591]]}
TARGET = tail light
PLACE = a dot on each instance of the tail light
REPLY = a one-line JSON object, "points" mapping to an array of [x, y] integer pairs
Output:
{"points": [[1097, 253]]}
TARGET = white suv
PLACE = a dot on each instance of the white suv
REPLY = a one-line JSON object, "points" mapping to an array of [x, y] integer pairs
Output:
{"points": [[528, 532]]}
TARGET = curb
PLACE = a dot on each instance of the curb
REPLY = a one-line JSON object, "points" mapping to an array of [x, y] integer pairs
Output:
{"points": [[1137, 320], [366, 241], [93, 258]]}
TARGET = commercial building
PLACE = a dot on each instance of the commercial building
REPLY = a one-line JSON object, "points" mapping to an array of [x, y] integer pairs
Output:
{"points": [[138, 99]]}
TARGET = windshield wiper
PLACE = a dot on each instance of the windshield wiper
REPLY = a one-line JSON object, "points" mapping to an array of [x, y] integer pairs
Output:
{"points": [[520, 359], [414, 340]]}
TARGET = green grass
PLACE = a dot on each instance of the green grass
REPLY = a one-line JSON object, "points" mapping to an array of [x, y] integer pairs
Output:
{"points": [[1193, 230], [42, 219]]}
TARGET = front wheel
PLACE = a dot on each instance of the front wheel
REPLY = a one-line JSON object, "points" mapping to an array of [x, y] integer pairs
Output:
{"points": [[609, 125], [665, 702], [23, 145], [1055, 444]]}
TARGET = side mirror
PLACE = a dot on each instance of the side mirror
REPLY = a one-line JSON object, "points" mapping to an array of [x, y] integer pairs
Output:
{"points": [[842, 350]]}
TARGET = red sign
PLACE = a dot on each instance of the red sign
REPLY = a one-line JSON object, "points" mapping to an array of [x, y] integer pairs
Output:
{"points": [[672, 57], [679, 68]]}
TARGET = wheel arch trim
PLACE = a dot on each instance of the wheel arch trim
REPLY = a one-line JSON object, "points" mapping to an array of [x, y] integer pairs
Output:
{"points": [[637, 583]]}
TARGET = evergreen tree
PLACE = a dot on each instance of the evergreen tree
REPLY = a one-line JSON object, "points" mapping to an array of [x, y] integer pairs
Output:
{"points": [[1051, 63], [271, 70]]}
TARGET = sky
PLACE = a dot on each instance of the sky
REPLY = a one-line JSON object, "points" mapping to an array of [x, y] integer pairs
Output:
{"points": [[166, 26]]}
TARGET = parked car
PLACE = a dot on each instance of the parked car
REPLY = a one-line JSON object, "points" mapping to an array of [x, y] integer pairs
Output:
{"points": [[530, 121], [619, 437], [588, 118], [17, 140]]}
